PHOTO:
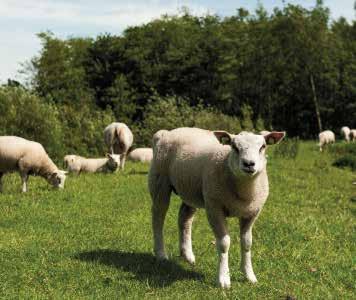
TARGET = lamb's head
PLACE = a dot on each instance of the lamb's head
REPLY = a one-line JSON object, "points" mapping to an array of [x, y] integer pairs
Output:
{"points": [[113, 161], [57, 178], [247, 156]]}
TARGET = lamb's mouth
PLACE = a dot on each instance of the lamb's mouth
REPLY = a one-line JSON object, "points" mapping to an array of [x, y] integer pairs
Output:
{"points": [[249, 171]]}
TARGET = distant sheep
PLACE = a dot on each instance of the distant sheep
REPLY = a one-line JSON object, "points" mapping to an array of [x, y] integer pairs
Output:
{"points": [[28, 158], [118, 138], [227, 180], [141, 155], [77, 164], [353, 135], [345, 133], [326, 137]]}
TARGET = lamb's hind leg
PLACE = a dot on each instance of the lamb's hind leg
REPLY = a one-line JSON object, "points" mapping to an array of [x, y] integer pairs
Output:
{"points": [[160, 190], [246, 244], [185, 220]]}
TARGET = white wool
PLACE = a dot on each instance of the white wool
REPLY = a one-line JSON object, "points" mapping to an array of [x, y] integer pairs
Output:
{"points": [[77, 164], [28, 157], [353, 135], [118, 138], [141, 155], [326, 137], [225, 180], [345, 132]]}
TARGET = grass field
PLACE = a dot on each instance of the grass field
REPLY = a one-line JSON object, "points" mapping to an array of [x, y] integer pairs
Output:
{"points": [[93, 240]]}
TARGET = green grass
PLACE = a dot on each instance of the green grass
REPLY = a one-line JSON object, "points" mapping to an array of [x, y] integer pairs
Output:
{"points": [[93, 240]]}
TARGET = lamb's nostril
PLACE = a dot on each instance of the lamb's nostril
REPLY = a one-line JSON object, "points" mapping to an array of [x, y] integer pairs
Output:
{"points": [[248, 163]]}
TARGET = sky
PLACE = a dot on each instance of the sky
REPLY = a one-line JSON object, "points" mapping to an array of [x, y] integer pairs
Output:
{"points": [[20, 20]]}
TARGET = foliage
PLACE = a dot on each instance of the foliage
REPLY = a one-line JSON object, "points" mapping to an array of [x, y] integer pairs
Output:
{"points": [[285, 70], [28, 116], [346, 161]]}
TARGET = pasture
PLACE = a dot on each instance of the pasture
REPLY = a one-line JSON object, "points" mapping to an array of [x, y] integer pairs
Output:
{"points": [[93, 239]]}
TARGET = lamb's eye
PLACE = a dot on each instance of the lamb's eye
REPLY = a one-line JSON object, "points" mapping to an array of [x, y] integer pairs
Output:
{"points": [[263, 147]]}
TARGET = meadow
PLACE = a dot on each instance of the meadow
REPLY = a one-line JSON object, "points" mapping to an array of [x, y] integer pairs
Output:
{"points": [[93, 239]]}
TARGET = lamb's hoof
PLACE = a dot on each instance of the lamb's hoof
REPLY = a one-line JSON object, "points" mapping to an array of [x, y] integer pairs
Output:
{"points": [[224, 282], [189, 257], [251, 278], [161, 256]]}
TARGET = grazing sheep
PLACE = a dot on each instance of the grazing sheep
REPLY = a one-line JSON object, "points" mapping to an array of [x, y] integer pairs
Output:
{"points": [[28, 158], [118, 137], [353, 135], [141, 155], [77, 164], [345, 132], [326, 137], [227, 180]]}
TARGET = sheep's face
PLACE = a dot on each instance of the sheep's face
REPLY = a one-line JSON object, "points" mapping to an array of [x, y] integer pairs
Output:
{"points": [[248, 157], [57, 179], [113, 161]]}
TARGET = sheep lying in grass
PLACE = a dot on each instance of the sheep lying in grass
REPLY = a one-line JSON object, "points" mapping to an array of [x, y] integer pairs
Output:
{"points": [[28, 158], [227, 180], [119, 138], [141, 155], [326, 137], [345, 133], [353, 135], [77, 164]]}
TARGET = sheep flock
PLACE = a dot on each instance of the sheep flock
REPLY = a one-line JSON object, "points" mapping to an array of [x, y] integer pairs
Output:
{"points": [[223, 173]]}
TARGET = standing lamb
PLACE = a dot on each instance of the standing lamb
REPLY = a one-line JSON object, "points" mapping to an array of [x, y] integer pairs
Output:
{"points": [[227, 180], [119, 138], [77, 164], [28, 158], [353, 135], [144, 155], [345, 133], [326, 137]]}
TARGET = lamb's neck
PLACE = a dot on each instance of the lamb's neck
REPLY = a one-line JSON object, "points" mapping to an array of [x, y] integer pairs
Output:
{"points": [[250, 188]]}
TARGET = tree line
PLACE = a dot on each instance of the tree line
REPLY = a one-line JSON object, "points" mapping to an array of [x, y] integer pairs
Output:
{"points": [[293, 69]]}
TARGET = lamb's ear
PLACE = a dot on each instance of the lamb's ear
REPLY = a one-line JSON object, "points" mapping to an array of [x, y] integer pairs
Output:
{"points": [[64, 172], [108, 155], [223, 137], [274, 137]]}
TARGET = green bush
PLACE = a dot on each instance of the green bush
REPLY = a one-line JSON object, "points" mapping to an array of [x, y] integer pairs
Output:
{"points": [[346, 161], [26, 115]]}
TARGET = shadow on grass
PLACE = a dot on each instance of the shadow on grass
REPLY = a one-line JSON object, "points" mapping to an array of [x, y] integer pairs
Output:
{"points": [[144, 266], [134, 172]]}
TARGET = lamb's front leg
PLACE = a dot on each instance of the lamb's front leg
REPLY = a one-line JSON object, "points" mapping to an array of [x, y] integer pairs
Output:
{"points": [[24, 177], [218, 223], [246, 243]]}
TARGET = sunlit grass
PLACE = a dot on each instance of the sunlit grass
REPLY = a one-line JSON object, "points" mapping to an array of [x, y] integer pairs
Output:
{"points": [[93, 239]]}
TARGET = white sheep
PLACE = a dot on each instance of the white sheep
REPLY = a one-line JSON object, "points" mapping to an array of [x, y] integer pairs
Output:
{"points": [[326, 137], [28, 158], [345, 133], [119, 138], [141, 155], [227, 180], [77, 164], [353, 135]]}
